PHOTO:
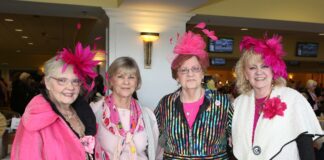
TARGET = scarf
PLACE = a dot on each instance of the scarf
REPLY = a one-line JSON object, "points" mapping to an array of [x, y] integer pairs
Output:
{"points": [[112, 122]]}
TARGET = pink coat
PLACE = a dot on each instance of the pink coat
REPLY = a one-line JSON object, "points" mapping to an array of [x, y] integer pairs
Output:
{"points": [[44, 135]]}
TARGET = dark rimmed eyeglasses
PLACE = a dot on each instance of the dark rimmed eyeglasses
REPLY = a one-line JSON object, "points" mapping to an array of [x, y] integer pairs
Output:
{"points": [[65, 81], [186, 70]]}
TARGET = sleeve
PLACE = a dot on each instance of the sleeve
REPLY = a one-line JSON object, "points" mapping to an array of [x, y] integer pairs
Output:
{"points": [[155, 132], [305, 118], [26, 145], [158, 114], [95, 106], [305, 147], [229, 116]]}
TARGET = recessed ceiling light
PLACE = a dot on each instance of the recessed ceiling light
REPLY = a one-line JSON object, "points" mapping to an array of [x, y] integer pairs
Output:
{"points": [[18, 50], [18, 30], [244, 29], [31, 43], [8, 20], [24, 37], [321, 34]]}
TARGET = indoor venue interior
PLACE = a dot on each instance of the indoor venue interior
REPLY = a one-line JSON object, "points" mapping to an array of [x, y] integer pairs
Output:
{"points": [[32, 31]]}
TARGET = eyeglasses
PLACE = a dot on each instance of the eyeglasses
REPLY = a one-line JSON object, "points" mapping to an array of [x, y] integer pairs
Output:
{"points": [[65, 81], [186, 70]]}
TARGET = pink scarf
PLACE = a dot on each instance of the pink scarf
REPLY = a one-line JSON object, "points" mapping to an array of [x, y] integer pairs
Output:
{"points": [[114, 116], [112, 122]]}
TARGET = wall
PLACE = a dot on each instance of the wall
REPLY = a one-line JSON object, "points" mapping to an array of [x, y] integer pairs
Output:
{"points": [[124, 40]]}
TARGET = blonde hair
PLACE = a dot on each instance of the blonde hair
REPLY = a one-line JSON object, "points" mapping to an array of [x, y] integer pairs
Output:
{"points": [[242, 84], [310, 83], [128, 65]]}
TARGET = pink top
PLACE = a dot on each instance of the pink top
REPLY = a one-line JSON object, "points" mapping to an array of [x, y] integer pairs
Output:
{"points": [[258, 108], [191, 110]]}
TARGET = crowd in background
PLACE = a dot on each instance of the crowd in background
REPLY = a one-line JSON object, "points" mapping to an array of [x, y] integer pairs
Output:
{"points": [[312, 91]]}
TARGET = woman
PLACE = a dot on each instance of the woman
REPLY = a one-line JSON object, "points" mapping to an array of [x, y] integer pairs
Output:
{"points": [[126, 130], [194, 122], [311, 96], [270, 121], [58, 123]]}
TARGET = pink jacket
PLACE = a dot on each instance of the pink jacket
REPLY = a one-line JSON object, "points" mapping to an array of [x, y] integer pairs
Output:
{"points": [[44, 135]]}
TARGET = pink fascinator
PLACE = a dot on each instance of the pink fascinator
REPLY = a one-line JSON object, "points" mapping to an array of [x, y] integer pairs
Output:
{"points": [[82, 62], [194, 44], [271, 51]]}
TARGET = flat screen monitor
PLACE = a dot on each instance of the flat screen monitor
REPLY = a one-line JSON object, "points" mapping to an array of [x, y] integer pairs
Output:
{"points": [[222, 45], [307, 49], [217, 61]]}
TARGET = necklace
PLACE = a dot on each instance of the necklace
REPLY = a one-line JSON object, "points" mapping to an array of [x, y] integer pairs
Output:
{"points": [[188, 112], [67, 114], [259, 103], [74, 121], [191, 106]]}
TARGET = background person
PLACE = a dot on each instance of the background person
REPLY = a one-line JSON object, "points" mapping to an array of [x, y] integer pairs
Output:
{"points": [[193, 122], [21, 93], [126, 130], [270, 121], [58, 123], [311, 96]]}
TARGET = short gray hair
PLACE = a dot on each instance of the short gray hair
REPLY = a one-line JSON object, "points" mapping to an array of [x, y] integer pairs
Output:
{"points": [[52, 65]]}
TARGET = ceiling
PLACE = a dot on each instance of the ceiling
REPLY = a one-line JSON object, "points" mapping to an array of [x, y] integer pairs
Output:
{"points": [[51, 26], [44, 31]]}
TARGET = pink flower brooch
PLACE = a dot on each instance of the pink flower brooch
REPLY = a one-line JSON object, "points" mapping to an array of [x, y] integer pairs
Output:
{"points": [[272, 107], [88, 142]]}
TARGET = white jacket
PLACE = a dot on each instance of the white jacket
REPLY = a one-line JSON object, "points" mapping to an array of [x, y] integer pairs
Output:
{"points": [[274, 138]]}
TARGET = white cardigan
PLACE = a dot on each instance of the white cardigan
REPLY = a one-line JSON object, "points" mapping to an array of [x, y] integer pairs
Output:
{"points": [[274, 138]]}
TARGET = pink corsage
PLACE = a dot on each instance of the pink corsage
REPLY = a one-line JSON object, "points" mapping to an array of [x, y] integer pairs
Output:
{"points": [[273, 107], [88, 142]]}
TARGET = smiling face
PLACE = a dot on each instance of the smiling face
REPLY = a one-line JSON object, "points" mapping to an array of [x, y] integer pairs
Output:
{"points": [[258, 74], [124, 83], [190, 74], [63, 88]]}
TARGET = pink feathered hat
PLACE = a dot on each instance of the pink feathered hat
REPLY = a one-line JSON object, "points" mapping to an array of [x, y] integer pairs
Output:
{"points": [[82, 62], [194, 44], [271, 51]]}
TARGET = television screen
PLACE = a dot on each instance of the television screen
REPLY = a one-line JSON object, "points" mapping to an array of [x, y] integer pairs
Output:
{"points": [[217, 61], [222, 45], [307, 49]]}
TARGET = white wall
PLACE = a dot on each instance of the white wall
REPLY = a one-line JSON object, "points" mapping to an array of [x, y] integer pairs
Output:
{"points": [[124, 30]]}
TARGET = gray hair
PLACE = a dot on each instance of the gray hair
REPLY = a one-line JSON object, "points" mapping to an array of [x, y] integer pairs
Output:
{"points": [[52, 65], [129, 65]]}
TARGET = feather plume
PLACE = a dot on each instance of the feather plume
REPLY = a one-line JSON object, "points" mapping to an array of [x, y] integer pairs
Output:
{"points": [[271, 51], [201, 25], [210, 34], [82, 62]]}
